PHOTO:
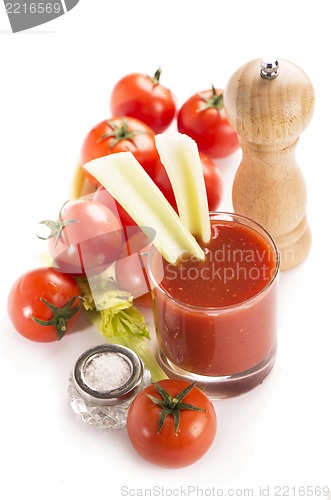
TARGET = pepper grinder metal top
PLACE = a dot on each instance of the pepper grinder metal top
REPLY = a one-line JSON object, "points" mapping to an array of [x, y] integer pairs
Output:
{"points": [[269, 68], [269, 103]]}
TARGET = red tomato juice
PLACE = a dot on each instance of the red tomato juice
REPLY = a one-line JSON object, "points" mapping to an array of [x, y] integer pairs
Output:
{"points": [[217, 317]]}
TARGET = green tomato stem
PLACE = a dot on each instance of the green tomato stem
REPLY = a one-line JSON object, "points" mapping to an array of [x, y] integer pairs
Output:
{"points": [[156, 77], [60, 315], [119, 133], [172, 405], [216, 101]]}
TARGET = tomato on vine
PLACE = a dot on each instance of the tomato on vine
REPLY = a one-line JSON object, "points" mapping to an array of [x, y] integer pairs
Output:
{"points": [[130, 267], [212, 177], [86, 238], [44, 304], [171, 423], [202, 117], [120, 134], [143, 97], [101, 195]]}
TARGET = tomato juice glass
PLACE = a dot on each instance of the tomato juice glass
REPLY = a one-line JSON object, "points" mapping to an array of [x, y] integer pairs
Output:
{"points": [[216, 320]]}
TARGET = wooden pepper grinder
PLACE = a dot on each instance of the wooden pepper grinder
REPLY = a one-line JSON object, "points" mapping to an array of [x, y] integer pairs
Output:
{"points": [[269, 104]]}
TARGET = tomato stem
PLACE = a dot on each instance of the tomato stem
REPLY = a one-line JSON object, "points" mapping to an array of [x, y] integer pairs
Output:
{"points": [[215, 101], [172, 405], [61, 324], [119, 133], [56, 226], [60, 315], [156, 78]]}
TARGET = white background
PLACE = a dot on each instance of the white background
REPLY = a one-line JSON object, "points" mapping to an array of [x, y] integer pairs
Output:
{"points": [[55, 85]]}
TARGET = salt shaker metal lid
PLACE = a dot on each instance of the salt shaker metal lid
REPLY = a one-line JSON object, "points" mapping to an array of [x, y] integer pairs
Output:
{"points": [[114, 388]]}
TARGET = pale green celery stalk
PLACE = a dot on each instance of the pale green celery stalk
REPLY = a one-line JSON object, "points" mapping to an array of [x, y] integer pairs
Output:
{"points": [[180, 157], [126, 180], [112, 311], [138, 343]]}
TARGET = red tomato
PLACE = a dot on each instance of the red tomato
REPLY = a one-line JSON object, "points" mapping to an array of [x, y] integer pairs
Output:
{"points": [[168, 446], [144, 98], [103, 196], [213, 181], [130, 275], [130, 268], [120, 134], [137, 241], [85, 239], [44, 304], [202, 117], [162, 181]]}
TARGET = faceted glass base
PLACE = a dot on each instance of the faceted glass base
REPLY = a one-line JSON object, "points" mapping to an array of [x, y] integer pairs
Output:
{"points": [[225, 386], [102, 416]]}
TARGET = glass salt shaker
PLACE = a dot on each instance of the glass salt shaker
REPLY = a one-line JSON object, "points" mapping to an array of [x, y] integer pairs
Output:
{"points": [[104, 382]]}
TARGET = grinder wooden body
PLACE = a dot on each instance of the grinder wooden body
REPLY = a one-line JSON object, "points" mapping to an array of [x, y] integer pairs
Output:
{"points": [[269, 114]]}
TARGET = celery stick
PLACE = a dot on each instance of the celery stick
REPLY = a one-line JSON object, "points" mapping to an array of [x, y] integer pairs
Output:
{"points": [[180, 157], [123, 176]]}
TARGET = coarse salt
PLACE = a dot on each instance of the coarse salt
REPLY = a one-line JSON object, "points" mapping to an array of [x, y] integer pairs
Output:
{"points": [[107, 372]]}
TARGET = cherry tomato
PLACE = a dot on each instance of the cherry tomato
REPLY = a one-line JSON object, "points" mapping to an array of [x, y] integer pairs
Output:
{"points": [[162, 181], [202, 117], [130, 268], [213, 181], [172, 435], [120, 134], [86, 238], [44, 304], [103, 196], [130, 275], [144, 98], [137, 240]]}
